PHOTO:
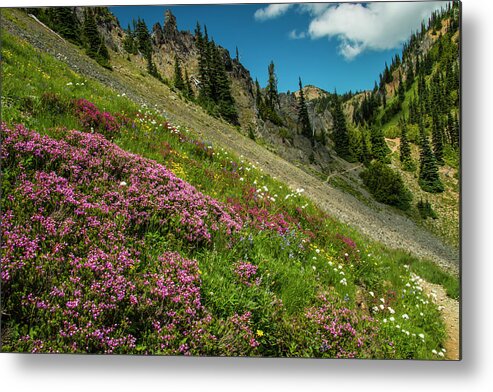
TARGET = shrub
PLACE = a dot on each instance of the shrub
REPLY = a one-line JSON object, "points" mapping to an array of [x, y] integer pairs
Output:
{"points": [[54, 104], [386, 185], [425, 210]]}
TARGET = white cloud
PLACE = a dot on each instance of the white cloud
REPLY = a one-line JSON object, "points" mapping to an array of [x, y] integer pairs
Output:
{"points": [[293, 34], [313, 8], [350, 50], [375, 26], [272, 11]]}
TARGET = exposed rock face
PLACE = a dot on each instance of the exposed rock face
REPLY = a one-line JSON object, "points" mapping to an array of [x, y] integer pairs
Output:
{"points": [[170, 28], [294, 147], [169, 43], [157, 34]]}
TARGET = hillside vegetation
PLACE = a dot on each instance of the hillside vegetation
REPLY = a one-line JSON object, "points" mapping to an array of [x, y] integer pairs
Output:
{"points": [[123, 232]]}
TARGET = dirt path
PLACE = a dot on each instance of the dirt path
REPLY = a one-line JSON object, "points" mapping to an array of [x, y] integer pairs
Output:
{"points": [[383, 224], [449, 309]]}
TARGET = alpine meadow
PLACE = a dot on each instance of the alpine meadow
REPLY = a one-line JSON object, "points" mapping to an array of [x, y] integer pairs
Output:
{"points": [[158, 197]]}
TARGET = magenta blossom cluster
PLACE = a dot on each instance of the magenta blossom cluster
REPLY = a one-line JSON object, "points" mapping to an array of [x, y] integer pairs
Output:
{"points": [[239, 337], [346, 240], [93, 176], [76, 272], [260, 218], [340, 332], [246, 273], [93, 119]]}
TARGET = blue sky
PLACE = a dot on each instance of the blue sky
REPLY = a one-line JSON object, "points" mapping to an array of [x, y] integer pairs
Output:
{"points": [[333, 46]]}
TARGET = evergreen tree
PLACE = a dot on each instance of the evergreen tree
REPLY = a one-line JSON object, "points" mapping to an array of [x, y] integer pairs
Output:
{"points": [[151, 67], [144, 43], [365, 153], [224, 96], [272, 98], [94, 43], [429, 179], [178, 78], [437, 138], [129, 41], [188, 87], [405, 148], [453, 130], [386, 185], [64, 21], [401, 90], [379, 148], [202, 45], [303, 118], [340, 132], [409, 76], [258, 96]]}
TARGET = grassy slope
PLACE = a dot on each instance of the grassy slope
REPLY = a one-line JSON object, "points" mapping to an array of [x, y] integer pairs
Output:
{"points": [[296, 282]]}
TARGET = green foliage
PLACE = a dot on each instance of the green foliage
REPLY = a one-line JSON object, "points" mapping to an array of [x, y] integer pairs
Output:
{"points": [[340, 133], [152, 69], [129, 42], [215, 87], [188, 86], [437, 138], [272, 96], [405, 148], [401, 89], [386, 185], [425, 210], [143, 38], [63, 20], [303, 118], [94, 42], [379, 148], [365, 153], [178, 78], [429, 179]]}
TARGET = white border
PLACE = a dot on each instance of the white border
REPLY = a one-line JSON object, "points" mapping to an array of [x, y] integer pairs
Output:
{"points": [[88, 373]]}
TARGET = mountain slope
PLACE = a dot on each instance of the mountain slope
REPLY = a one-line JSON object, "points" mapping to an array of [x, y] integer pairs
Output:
{"points": [[384, 225], [123, 232]]}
